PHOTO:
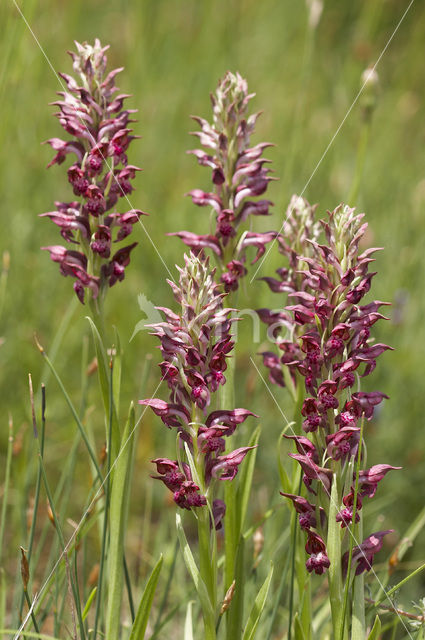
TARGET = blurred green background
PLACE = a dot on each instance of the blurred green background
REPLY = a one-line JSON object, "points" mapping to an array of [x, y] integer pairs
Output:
{"points": [[174, 52]]}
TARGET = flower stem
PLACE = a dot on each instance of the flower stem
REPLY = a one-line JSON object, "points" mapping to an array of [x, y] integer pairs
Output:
{"points": [[207, 570], [335, 573], [360, 163], [358, 618]]}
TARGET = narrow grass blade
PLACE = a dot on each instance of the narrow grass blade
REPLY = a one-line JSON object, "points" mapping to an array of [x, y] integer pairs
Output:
{"points": [[406, 542], [102, 367], [88, 603], [278, 596], [73, 411], [5, 496], [117, 526], [139, 627], [257, 608], [234, 614], [188, 626], [167, 588], [55, 346], [298, 629], [376, 630], [399, 584], [27, 634]]}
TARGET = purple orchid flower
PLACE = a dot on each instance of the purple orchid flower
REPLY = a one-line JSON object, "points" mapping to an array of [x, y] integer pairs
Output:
{"points": [[100, 176], [195, 343], [316, 549], [369, 478], [226, 467], [364, 553], [326, 278], [239, 176]]}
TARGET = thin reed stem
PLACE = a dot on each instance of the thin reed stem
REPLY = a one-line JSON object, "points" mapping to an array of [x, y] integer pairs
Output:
{"points": [[6, 486]]}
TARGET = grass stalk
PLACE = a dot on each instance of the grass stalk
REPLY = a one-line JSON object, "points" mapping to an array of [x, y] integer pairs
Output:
{"points": [[6, 486], [73, 411], [53, 510]]}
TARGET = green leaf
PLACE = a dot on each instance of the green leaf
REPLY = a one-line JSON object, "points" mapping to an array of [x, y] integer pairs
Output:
{"points": [[298, 630], [188, 627], [26, 634], [139, 626], [117, 525], [376, 630], [257, 608], [89, 603], [358, 623], [235, 612], [200, 585]]}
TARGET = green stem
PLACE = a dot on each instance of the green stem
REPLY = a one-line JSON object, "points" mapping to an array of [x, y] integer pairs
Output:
{"points": [[334, 553], [206, 569], [37, 488], [106, 516], [63, 546], [29, 603], [360, 162], [358, 621], [300, 108], [74, 413], [6, 485], [294, 529]]}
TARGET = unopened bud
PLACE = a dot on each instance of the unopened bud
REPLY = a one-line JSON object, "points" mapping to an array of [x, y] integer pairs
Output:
{"points": [[30, 512], [370, 90], [6, 261], [25, 571], [315, 8], [103, 454], [228, 597], [258, 544], [92, 368], [50, 514], [93, 575]]}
